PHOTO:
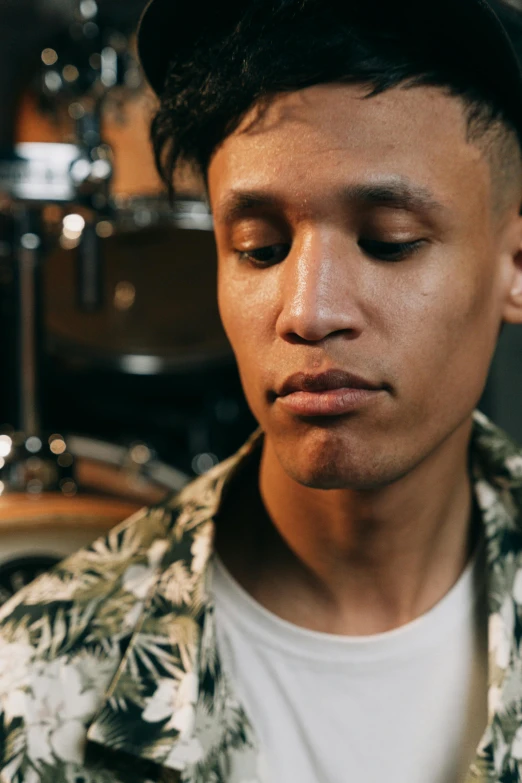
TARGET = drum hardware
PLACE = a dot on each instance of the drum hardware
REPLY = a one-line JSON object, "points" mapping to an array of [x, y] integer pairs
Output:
{"points": [[155, 319], [55, 173], [59, 496], [58, 493], [59, 173], [79, 174], [85, 213], [136, 213], [92, 59], [137, 466], [183, 414], [30, 465], [32, 176], [65, 464], [160, 315], [28, 269]]}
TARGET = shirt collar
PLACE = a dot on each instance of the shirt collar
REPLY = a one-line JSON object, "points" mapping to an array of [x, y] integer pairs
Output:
{"points": [[497, 474], [187, 708]]}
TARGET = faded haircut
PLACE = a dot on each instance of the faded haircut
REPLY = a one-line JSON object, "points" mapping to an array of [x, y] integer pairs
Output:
{"points": [[282, 46]]}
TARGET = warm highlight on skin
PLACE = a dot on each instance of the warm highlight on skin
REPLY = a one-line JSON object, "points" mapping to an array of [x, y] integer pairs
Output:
{"points": [[413, 325], [424, 328]]}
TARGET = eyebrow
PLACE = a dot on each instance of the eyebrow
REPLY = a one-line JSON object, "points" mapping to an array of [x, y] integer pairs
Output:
{"points": [[397, 194]]}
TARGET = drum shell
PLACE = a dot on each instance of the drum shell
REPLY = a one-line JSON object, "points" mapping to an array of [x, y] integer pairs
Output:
{"points": [[159, 288]]}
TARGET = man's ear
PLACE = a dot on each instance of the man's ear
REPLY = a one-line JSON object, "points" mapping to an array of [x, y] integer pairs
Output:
{"points": [[513, 303]]}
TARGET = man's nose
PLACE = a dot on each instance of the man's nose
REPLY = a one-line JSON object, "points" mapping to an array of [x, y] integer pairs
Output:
{"points": [[319, 290]]}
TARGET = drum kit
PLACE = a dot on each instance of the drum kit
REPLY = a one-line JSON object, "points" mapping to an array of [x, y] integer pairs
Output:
{"points": [[119, 383]]}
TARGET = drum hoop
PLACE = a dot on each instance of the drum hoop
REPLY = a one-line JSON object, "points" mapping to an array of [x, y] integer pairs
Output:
{"points": [[118, 456], [135, 212], [83, 358]]}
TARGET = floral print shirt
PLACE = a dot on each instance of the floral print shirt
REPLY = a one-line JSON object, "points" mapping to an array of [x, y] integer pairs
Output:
{"points": [[109, 668]]}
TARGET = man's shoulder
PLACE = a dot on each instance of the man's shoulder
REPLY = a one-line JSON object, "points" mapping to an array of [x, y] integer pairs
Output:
{"points": [[92, 575], [120, 562], [64, 637], [496, 463], [61, 641]]}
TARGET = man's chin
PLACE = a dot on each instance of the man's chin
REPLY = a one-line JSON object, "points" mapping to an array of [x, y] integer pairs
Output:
{"points": [[336, 463], [333, 478]]}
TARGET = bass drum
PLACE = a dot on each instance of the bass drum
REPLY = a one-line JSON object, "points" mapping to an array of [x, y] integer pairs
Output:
{"points": [[110, 484]]}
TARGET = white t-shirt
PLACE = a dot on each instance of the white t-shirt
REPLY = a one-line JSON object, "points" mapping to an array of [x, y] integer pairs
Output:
{"points": [[407, 706]]}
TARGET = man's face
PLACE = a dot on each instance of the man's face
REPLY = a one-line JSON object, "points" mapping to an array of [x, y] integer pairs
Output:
{"points": [[358, 236]]}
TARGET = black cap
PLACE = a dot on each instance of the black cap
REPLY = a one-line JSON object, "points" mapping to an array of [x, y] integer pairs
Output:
{"points": [[469, 30]]}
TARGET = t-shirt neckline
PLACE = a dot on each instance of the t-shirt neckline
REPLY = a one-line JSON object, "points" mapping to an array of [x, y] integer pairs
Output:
{"points": [[456, 608]]}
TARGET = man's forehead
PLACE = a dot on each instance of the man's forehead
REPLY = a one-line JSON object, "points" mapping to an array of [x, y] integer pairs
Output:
{"points": [[340, 110], [406, 145], [333, 121]]}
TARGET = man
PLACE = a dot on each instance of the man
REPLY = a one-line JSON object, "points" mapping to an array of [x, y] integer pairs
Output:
{"points": [[319, 608]]}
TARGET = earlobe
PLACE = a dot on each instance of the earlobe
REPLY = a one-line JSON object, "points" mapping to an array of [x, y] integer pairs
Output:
{"points": [[513, 308]]}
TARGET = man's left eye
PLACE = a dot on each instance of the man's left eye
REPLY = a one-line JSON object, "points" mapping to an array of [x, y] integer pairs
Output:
{"points": [[389, 251]]}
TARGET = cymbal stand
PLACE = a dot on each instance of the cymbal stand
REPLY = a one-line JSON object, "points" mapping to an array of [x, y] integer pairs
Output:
{"points": [[61, 174], [33, 176], [28, 256]]}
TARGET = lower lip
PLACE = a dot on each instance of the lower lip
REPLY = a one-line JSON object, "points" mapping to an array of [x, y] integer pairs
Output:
{"points": [[335, 402]]}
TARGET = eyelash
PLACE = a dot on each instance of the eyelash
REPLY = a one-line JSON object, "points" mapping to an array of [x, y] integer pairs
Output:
{"points": [[399, 250], [248, 255], [389, 251]]}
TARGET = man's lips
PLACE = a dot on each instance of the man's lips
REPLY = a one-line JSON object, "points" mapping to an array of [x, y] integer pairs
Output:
{"points": [[331, 393], [323, 382]]}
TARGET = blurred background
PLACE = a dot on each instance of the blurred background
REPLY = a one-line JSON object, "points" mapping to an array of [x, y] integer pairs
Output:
{"points": [[118, 384], [503, 397]]}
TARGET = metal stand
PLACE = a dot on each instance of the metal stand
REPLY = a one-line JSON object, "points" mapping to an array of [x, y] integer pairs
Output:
{"points": [[33, 176], [28, 277], [66, 174]]}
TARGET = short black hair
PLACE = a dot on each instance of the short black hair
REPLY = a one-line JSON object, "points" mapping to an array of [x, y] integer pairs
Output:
{"points": [[282, 46]]}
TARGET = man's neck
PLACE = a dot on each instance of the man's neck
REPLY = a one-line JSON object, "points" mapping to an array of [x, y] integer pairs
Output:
{"points": [[349, 562]]}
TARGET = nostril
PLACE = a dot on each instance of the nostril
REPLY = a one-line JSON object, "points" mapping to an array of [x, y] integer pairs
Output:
{"points": [[319, 338], [296, 339]]}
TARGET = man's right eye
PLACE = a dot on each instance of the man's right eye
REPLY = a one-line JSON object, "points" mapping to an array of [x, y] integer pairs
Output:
{"points": [[390, 251], [265, 256]]}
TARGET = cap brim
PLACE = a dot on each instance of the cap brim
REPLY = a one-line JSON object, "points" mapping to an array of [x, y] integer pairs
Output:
{"points": [[167, 26], [470, 27]]}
